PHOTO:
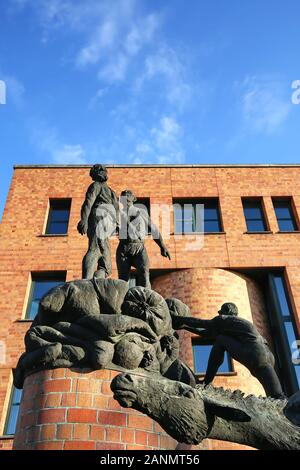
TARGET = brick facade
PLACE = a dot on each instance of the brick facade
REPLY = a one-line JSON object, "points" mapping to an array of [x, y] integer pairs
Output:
{"points": [[204, 278], [76, 410]]}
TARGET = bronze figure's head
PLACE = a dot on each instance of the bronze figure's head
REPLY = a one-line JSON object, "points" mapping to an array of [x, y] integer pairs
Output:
{"points": [[99, 173], [229, 308], [130, 197]]}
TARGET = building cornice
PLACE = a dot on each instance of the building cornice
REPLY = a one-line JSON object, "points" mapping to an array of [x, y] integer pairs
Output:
{"points": [[192, 165]]}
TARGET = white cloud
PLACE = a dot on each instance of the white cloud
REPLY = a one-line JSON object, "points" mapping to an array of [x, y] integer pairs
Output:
{"points": [[97, 97], [67, 14], [264, 105], [69, 154], [47, 141], [115, 69], [143, 148], [165, 64], [103, 38], [167, 133], [141, 33], [112, 32], [163, 144]]}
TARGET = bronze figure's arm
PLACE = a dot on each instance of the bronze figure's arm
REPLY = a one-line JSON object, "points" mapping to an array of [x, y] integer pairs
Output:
{"points": [[194, 325], [158, 239]]}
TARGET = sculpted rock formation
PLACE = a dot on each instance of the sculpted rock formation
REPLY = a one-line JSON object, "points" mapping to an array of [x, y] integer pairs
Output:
{"points": [[190, 415], [99, 323]]}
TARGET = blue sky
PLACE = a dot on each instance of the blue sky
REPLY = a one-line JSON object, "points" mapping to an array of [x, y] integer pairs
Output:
{"points": [[148, 81]]}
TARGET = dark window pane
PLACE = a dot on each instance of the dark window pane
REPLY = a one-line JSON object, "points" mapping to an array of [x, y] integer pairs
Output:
{"points": [[60, 215], [285, 342], [12, 421], [290, 332], [13, 411], [17, 396], [211, 213], [283, 210], [297, 371], [42, 287], [281, 296], [197, 216], [287, 225], [254, 216], [57, 228], [285, 216], [253, 212], [211, 226], [255, 226], [38, 290], [58, 219], [33, 309], [201, 354]]}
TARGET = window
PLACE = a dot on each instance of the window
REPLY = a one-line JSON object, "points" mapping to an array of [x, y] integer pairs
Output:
{"points": [[58, 218], [284, 334], [254, 215], [13, 411], [40, 285], [144, 203], [285, 216], [196, 215], [201, 352]]}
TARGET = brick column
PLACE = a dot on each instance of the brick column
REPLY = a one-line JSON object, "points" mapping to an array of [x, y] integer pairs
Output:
{"points": [[68, 410]]}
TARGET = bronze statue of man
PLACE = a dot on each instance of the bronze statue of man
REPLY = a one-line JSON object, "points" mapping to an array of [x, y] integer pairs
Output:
{"points": [[241, 340], [135, 224], [99, 217]]}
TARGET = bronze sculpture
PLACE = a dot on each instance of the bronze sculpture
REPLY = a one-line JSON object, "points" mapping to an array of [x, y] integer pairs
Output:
{"points": [[241, 340], [101, 323], [99, 218], [135, 223], [190, 415]]}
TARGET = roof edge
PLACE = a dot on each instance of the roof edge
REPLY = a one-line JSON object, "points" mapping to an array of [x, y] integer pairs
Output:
{"points": [[156, 165]]}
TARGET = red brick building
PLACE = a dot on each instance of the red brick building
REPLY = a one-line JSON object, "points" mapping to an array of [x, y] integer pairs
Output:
{"points": [[249, 254]]}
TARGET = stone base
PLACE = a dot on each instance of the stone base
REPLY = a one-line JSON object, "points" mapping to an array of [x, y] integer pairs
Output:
{"points": [[71, 410]]}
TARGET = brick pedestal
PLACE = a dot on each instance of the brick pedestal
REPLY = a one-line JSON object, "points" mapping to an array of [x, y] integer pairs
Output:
{"points": [[68, 410]]}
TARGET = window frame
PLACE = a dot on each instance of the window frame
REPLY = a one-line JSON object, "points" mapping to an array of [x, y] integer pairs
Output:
{"points": [[146, 202], [65, 204], [11, 405], [194, 202], [282, 346], [45, 276], [261, 206], [294, 216]]}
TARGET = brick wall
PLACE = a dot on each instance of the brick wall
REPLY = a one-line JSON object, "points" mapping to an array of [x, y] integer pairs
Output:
{"points": [[65, 410]]}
